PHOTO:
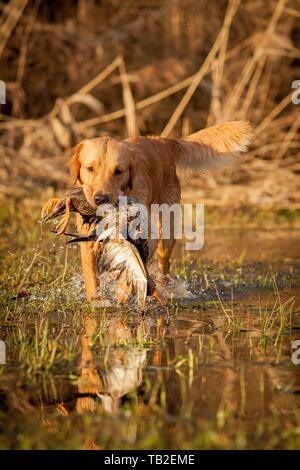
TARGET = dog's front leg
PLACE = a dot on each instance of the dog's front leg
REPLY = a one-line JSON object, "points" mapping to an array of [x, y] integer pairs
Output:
{"points": [[88, 261]]}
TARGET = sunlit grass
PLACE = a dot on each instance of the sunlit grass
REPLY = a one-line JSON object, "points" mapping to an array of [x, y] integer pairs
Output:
{"points": [[190, 386]]}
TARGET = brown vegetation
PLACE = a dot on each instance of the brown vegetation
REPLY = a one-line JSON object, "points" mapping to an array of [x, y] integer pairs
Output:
{"points": [[84, 68]]}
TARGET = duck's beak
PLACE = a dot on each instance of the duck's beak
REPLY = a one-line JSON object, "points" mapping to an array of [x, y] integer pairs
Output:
{"points": [[79, 239]]}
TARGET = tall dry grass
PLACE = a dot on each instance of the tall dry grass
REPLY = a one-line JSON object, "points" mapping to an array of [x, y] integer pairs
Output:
{"points": [[76, 69]]}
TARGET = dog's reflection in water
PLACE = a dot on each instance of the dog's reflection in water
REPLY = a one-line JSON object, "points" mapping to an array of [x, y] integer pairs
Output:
{"points": [[122, 374], [123, 369]]}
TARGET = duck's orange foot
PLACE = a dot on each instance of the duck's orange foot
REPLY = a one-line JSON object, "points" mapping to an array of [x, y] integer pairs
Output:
{"points": [[61, 227], [96, 247], [159, 298], [49, 207]]}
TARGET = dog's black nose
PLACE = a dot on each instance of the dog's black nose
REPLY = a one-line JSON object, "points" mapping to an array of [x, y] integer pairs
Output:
{"points": [[100, 198]]}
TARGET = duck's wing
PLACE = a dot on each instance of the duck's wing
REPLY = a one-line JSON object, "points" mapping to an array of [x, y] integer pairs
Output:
{"points": [[121, 255], [81, 238]]}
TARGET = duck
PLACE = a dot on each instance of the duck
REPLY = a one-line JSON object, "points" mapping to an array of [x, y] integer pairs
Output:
{"points": [[73, 201], [126, 257]]}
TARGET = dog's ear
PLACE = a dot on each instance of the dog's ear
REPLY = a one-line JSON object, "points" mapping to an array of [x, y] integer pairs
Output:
{"points": [[130, 181], [74, 163], [139, 177], [131, 168]]}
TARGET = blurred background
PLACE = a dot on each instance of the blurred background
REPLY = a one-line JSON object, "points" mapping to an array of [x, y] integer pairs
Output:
{"points": [[217, 372], [83, 68]]}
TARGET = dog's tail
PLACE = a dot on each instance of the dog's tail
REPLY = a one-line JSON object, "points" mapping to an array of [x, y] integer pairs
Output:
{"points": [[213, 147]]}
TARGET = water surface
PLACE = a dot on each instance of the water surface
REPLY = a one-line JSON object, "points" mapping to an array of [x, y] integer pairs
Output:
{"points": [[214, 371]]}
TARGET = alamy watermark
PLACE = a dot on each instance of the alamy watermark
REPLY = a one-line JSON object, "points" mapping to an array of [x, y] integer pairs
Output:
{"points": [[133, 220], [2, 352], [296, 93], [296, 353], [2, 92]]}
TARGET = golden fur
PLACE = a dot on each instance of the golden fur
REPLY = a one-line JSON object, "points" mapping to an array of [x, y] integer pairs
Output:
{"points": [[146, 169]]}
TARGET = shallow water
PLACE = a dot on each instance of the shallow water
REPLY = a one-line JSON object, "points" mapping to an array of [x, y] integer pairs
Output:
{"points": [[214, 371]]}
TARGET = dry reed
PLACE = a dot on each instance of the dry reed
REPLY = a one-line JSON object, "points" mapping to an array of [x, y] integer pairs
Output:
{"points": [[151, 67]]}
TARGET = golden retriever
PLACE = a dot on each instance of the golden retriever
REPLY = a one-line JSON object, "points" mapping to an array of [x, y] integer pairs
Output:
{"points": [[146, 168]]}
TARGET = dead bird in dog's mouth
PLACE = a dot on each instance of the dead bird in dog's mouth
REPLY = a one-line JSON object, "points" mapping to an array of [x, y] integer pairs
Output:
{"points": [[119, 250]]}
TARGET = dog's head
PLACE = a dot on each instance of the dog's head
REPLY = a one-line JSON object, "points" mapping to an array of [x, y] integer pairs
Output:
{"points": [[102, 166]]}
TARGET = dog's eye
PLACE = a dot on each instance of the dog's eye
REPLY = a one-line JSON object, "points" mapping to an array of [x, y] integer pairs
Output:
{"points": [[90, 169], [118, 171]]}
